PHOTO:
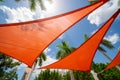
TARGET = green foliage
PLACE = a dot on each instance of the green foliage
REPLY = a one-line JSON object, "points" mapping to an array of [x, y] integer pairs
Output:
{"points": [[11, 75], [64, 50], [67, 76], [4, 0], [111, 74], [98, 67], [32, 4], [92, 1], [86, 37], [107, 43], [49, 75], [7, 68], [41, 58], [79, 75], [17, 0], [1, 0]]}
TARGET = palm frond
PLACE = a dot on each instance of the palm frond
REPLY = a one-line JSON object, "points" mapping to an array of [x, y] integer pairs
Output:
{"points": [[63, 46], [92, 1], [65, 49], [40, 62], [107, 44], [1, 0], [101, 49], [41, 58], [86, 37], [72, 49], [32, 4], [60, 54], [42, 5], [17, 0]]}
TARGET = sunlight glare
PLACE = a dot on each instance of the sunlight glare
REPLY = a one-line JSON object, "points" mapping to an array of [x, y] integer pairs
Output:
{"points": [[50, 7]]}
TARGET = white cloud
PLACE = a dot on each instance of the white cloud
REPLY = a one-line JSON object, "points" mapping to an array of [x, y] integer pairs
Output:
{"points": [[113, 38], [21, 14], [61, 37], [94, 31], [17, 15], [49, 61], [47, 50], [104, 12]]}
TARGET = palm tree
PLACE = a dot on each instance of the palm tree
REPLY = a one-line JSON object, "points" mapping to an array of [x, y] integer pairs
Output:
{"points": [[33, 3], [111, 74], [105, 43], [27, 74], [41, 3], [108, 45], [92, 1], [65, 49], [8, 68]]}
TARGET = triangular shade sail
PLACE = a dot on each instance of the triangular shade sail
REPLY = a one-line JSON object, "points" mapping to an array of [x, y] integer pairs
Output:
{"points": [[25, 41], [81, 58], [114, 62]]}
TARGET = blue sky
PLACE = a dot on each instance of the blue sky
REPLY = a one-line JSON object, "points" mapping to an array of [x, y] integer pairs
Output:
{"points": [[11, 12]]}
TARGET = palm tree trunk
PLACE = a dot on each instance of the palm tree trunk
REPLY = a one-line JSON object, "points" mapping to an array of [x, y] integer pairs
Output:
{"points": [[24, 76], [30, 73], [94, 75], [109, 58], [72, 75]]}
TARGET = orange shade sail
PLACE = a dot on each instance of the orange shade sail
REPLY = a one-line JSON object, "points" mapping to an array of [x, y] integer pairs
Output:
{"points": [[114, 62], [82, 57], [26, 40]]}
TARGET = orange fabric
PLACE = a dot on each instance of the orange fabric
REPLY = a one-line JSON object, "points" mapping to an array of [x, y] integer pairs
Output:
{"points": [[26, 40], [114, 62], [81, 58]]}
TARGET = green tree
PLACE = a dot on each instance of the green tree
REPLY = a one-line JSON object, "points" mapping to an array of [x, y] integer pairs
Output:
{"points": [[111, 74], [49, 75], [8, 68], [67, 75], [65, 49], [79, 75]]}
